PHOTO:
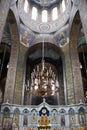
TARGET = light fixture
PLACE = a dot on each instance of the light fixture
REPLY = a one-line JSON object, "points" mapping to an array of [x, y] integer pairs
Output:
{"points": [[44, 81]]}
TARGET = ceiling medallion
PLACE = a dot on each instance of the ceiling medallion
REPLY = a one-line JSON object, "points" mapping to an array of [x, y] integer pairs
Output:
{"points": [[44, 27]]}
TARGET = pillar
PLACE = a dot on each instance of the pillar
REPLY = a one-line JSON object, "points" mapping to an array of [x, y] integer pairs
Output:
{"points": [[4, 8], [76, 72], [82, 5], [11, 75]]}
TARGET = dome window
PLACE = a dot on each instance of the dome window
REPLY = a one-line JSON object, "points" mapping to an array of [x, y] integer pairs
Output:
{"points": [[54, 13], [63, 6], [44, 16], [26, 6], [34, 13]]}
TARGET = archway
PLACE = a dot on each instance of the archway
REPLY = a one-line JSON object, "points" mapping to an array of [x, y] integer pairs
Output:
{"points": [[13, 33], [54, 59]]}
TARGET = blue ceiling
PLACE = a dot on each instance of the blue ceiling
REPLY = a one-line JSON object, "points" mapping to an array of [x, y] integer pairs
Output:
{"points": [[45, 3]]}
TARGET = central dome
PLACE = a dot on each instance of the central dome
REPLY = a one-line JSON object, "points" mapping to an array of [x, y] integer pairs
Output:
{"points": [[45, 3], [44, 16]]}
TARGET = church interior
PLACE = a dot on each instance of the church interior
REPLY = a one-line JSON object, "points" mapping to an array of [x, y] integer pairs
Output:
{"points": [[43, 64]]}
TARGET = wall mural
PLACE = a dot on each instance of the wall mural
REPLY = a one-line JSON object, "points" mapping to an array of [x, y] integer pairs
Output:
{"points": [[26, 36], [33, 116], [81, 36], [54, 116], [7, 120], [72, 117], [15, 122], [60, 39], [82, 119], [6, 37]]}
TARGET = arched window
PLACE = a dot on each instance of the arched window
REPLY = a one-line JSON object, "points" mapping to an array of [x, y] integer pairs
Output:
{"points": [[26, 6], [34, 13], [44, 16], [54, 13], [63, 6]]}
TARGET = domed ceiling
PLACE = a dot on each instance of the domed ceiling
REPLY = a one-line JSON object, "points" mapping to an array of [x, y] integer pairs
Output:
{"points": [[45, 3], [44, 27]]}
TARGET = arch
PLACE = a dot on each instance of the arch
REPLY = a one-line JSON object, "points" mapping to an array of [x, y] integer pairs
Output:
{"points": [[71, 111], [37, 48], [75, 63], [16, 111], [10, 83], [25, 111], [4, 14], [6, 110]]}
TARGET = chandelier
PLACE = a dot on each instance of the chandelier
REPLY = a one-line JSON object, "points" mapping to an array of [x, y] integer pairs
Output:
{"points": [[43, 79]]}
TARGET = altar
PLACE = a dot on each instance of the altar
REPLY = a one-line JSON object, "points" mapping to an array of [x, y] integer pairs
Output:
{"points": [[43, 117]]}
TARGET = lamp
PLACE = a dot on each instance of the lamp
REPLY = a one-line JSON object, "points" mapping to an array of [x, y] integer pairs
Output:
{"points": [[43, 79]]}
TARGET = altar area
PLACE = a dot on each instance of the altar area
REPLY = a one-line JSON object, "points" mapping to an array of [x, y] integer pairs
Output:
{"points": [[43, 117]]}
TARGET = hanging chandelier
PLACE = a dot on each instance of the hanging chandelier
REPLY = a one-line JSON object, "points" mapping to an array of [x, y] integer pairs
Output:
{"points": [[43, 79]]}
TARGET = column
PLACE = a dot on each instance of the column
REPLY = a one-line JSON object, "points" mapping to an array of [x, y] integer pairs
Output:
{"points": [[82, 5], [11, 75], [76, 72], [69, 95], [4, 8]]}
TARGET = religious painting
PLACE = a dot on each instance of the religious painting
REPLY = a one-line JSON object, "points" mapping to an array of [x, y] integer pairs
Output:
{"points": [[7, 121], [44, 117], [15, 123], [61, 38], [62, 118], [25, 120], [7, 124], [82, 116], [26, 37], [72, 119], [81, 36], [54, 116], [33, 116]]}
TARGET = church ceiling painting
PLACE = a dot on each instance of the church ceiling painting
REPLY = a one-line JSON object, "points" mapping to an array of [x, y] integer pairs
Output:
{"points": [[26, 36], [45, 3]]}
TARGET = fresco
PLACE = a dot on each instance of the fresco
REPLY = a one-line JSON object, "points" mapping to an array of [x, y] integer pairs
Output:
{"points": [[6, 37], [81, 36], [26, 36], [46, 3], [60, 39]]}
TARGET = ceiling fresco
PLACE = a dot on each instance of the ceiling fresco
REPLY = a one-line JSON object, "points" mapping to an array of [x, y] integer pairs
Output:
{"points": [[81, 36], [45, 3], [60, 39], [6, 37], [42, 27], [26, 36]]}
